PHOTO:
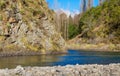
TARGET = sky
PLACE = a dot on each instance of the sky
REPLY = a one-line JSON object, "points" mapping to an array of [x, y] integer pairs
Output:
{"points": [[68, 6]]}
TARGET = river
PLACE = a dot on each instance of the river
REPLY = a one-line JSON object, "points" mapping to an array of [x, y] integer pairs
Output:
{"points": [[72, 57]]}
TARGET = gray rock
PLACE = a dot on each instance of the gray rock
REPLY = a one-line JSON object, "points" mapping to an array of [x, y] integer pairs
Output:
{"points": [[27, 32], [69, 70], [19, 70]]}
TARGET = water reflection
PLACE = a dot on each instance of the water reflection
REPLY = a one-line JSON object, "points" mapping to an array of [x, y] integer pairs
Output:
{"points": [[73, 57], [43, 60]]}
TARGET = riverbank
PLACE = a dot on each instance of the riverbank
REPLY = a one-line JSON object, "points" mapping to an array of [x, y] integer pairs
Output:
{"points": [[68, 70], [95, 47], [28, 53]]}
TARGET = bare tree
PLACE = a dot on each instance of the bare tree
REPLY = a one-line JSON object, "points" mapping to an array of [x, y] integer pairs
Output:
{"points": [[76, 19], [83, 5], [64, 25], [90, 4], [101, 1]]}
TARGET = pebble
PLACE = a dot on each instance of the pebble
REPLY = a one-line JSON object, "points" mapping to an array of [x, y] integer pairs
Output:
{"points": [[68, 70]]}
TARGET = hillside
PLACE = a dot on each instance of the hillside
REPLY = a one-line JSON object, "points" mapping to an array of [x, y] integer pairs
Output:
{"points": [[27, 28], [99, 27]]}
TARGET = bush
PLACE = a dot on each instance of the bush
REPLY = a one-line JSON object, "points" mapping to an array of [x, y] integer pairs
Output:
{"points": [[103, 20], [73, 30]]}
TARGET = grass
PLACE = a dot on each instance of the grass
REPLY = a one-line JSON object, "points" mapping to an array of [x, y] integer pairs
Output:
{"points": [[1, 17], [32, 47], [2, 38], [2, 4], [10, 46]]}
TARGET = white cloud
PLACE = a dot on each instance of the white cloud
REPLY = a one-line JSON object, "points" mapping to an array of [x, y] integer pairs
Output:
{"points": [[59, 10], [67, 12], [74, 13]]}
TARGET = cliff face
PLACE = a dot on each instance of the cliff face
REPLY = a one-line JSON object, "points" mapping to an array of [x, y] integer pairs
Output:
{"points": [[26, 27]]}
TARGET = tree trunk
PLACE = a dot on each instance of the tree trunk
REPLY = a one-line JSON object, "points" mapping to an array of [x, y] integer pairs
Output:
{"points": [[90, 4], [83, 5], [100, 2]]}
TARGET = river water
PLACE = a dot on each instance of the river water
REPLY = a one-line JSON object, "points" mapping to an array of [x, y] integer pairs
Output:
{"points": [[72, 57]]}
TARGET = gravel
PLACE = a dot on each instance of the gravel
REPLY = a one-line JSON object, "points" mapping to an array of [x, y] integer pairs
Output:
{"points": [[68, 70]]}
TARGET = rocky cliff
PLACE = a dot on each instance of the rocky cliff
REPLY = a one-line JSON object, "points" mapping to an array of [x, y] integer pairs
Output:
{"points": [[26, 28]]}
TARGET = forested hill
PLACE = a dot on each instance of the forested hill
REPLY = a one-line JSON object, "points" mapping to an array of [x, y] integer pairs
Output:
{"points": [[26, 27], [101, 24]]}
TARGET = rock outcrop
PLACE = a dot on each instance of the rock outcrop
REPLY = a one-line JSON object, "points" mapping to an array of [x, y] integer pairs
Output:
{"points": [[27, 28]]}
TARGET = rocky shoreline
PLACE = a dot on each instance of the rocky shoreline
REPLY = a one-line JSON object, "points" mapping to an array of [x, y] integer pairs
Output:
{"points": [[28, 53], [93, 47], [68, 70]]}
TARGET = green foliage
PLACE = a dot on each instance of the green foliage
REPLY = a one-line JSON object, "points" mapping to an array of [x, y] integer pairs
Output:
{"points": [[1, 17], [73, 30], [103, 21], [2, 4]]}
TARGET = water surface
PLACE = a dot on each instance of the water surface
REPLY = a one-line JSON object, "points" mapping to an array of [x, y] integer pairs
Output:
{"points": [[72, 57]]}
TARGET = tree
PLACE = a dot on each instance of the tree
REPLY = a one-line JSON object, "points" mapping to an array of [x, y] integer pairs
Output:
{"points": [[64, 25], [100, 2], [86, 4], [102, 21], [70, 20], [76, 19], [90, 4], [72, 30], [83, 5]]}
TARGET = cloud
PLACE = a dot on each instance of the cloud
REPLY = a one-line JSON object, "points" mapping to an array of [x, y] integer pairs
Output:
{"points": [[67, 12], [60, 11], [75, 12]]}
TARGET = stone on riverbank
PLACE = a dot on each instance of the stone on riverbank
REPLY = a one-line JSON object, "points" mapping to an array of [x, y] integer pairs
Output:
{"points": [[68, 70]]}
